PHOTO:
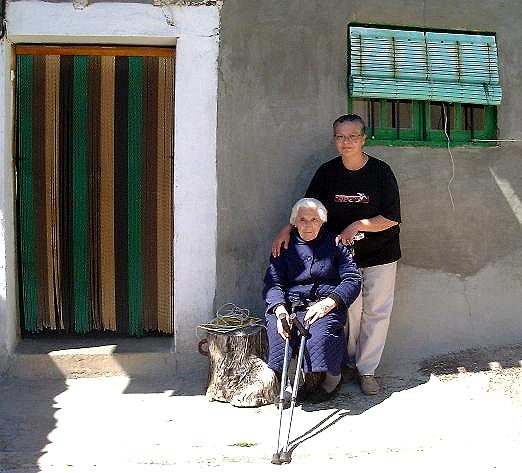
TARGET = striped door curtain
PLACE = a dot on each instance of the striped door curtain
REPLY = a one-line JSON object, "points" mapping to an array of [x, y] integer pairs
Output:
{"points": [[94, 149]]}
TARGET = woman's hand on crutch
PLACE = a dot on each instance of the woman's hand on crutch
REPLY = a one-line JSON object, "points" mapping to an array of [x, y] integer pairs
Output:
{"points": [[319, 310], [284, 323]]}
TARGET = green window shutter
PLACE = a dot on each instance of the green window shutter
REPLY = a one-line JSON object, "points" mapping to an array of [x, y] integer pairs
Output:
{"points": [[418, 65], [463, 68], [387, 64]]}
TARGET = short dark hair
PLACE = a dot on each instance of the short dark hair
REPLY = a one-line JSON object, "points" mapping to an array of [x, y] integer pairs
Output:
{"points": [[350, 117]]}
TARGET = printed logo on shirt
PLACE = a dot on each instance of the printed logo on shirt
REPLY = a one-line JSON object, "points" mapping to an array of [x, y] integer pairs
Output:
{"points": [[360, 198]]}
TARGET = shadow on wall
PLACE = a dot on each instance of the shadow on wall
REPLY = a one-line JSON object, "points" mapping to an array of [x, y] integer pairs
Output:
{"points": [[484, 225]]}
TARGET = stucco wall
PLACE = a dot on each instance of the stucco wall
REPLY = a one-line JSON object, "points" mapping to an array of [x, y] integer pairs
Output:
{"points": [[282, 83]]}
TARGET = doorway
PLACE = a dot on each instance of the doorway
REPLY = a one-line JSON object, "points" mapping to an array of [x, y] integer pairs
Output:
{"points": [[94, 163]]}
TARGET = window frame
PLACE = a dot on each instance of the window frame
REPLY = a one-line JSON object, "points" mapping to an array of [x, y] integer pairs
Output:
{"points": [[422, 134]]}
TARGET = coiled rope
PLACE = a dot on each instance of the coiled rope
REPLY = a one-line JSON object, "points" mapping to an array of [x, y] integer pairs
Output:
{"points": [[230, 317]]}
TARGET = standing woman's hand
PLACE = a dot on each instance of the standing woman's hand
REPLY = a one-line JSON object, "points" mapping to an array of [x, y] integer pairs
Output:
{"points": [[281, 239], [348, 234]]}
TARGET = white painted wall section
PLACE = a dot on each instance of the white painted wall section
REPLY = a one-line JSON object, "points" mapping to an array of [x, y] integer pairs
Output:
{"points": [[124, 23], [8, 305], [195, 189]]}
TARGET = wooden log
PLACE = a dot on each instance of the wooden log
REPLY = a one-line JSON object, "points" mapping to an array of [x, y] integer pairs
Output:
{"points": [[237, 371]]}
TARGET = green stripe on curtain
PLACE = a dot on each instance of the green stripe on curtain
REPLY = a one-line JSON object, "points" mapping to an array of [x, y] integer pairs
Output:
{"points": [[25, 206], [39, 190], [80, 196], [418, 65], [134, 146]]}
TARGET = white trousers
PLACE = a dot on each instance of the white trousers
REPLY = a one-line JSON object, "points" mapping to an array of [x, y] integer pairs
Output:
{"points": [[369, 317]]}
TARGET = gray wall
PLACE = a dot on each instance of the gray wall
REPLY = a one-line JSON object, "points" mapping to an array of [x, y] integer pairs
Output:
{"points": [[283, 81]]}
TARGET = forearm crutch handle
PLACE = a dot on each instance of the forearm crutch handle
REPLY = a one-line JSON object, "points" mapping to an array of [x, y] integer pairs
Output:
{"points": [[286, 325], [303, 329]]}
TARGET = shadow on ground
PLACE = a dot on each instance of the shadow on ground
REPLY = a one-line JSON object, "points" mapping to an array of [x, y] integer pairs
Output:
{"points": [[27, 417], [148, 362], [474, 360], [351, 402], [29, 408]]}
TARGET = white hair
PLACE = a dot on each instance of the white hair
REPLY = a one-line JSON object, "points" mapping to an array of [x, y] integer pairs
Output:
{"points": [[308, 203]]}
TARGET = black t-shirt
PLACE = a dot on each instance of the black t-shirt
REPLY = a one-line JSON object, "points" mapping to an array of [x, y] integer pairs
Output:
{"points": [[354, 195]]}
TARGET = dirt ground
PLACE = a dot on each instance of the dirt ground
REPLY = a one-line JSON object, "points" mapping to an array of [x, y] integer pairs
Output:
{"points": [[455, 413], [504, 365]]}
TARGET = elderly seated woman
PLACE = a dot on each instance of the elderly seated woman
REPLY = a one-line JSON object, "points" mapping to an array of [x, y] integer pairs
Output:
{"points": [[319, 280]]}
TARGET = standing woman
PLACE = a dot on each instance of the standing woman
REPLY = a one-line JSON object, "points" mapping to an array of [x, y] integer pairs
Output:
{"points": [[361, 195]]}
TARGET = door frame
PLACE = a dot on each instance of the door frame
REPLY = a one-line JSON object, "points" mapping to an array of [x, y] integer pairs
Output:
{"points": [[196, 38]]}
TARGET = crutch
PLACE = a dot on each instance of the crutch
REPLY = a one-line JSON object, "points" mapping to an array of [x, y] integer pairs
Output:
{"points": [[284, 379], [284, 455]]}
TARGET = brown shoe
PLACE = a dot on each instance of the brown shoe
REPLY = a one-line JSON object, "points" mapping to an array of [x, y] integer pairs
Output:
{"points": [[369, 385]]}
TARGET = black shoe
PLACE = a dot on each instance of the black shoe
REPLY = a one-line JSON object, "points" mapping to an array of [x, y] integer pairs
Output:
{"points": [[302, 395], [320, 395], [349, 374]]}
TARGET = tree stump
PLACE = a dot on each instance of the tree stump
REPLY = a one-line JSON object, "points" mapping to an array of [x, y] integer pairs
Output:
{"points": [[237, 371]]}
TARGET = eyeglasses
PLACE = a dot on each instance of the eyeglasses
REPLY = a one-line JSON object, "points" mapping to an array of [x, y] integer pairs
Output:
{"points": [[341, 138]]}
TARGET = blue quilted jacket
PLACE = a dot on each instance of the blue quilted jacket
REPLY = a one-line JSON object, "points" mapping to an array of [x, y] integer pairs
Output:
{"points": [[309, 271]]}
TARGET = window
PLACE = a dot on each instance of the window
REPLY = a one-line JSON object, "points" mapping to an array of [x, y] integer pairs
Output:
{"points": [[424, 87]]}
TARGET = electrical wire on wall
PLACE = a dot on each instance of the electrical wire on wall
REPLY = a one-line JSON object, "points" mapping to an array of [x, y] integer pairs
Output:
{"points": [[509, 140], [450, 154], [452, 178]]}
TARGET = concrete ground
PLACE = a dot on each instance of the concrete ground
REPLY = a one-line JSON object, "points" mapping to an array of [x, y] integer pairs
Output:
{"points": [[461, 412]]}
